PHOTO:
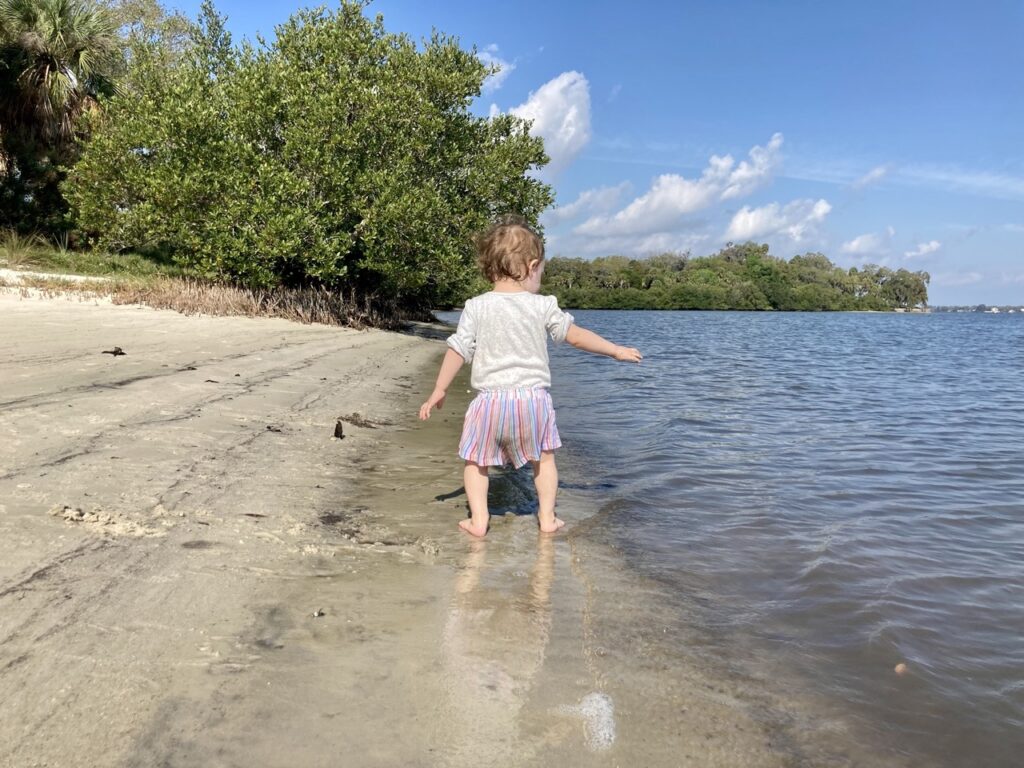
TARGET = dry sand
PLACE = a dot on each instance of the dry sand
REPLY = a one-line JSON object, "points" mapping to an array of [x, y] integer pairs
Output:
{"points": [[14, 277], [194, 572]]}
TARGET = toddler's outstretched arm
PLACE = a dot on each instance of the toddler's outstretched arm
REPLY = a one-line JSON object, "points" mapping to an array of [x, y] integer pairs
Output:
{"points": [[449, 367], [589, 341]]}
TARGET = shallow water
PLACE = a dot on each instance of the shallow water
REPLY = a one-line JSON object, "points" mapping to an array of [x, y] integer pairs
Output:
{"points": [[849, 492], [830, 495]]}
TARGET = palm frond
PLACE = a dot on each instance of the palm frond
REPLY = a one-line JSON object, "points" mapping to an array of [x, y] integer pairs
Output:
{"points": [[60, 53]]}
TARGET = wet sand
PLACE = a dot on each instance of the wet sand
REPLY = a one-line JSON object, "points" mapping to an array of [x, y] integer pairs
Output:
{"points": [[193, 571]]}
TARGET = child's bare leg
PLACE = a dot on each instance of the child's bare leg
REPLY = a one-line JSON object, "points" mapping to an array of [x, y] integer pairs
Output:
{"points": [[475, 479], [545, 477]]}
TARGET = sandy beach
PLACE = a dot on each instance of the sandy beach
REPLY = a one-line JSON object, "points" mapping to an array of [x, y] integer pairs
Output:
{"points": [[195, 571]]}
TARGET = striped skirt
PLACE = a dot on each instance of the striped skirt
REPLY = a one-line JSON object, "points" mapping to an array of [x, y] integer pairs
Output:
{"points": [[509, 426]]}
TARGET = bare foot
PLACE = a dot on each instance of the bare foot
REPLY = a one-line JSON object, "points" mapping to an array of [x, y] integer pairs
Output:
{"points": [[551, 527], [476, 530]]}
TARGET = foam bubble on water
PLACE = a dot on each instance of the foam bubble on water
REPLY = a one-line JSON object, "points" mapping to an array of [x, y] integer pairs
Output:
{"points": [[598, 715]]}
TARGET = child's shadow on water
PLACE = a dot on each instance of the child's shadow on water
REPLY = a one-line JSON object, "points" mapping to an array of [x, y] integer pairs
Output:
{"points": [[511, 492], [453, 494]]}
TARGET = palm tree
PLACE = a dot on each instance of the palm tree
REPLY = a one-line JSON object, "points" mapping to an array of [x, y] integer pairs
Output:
{"points": [[56, 59]]}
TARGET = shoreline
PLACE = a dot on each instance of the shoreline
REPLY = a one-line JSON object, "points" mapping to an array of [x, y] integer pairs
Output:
{"points": [[240, 588]]}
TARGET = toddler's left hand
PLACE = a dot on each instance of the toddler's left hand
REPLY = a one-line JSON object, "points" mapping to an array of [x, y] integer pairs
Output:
{"points": [[436, 400], [628, 355]]}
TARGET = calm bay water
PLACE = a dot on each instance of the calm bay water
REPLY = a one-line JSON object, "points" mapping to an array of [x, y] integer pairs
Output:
{"points": [[838, 493]]}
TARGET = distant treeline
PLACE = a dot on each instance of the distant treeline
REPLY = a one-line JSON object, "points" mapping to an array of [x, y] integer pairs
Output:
{"points": [[742, 276]]}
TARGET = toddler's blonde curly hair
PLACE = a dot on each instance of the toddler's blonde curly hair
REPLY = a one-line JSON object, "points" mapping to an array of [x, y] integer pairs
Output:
{"points": [[507, 248]]}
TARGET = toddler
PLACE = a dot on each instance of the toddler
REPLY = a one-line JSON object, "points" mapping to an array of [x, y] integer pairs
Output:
{"points": [[501, 333]]}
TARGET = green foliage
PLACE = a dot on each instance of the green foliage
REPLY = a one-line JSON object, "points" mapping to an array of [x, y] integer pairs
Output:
{"points": [[56, 60], [164, 32], [744, 276], [340, 155]]}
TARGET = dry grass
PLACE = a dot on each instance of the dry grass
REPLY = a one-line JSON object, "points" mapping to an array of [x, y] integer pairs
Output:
{"points": [[193, 297], [17, 250]]}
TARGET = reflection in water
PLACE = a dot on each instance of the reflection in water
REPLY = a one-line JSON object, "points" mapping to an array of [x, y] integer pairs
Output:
{"points": [[494, 644]]}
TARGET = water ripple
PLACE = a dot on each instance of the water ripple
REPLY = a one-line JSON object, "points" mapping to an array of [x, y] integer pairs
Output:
{"points": [[848, 487]]}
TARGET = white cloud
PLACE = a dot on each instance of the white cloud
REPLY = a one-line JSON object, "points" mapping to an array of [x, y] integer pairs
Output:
{"points": [[869, 242], [668, 199], [923, 249], [953, 279], [1007, 279], [876, 174], [672, 196], [489, 56], [629, 245], [597, 200], [616, 90], [866, 243], [797, 220], [749, 176], [664, 242], [560, 113]]}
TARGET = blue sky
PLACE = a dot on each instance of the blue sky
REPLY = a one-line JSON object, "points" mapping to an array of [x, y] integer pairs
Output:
{"points": [[875, 132]]}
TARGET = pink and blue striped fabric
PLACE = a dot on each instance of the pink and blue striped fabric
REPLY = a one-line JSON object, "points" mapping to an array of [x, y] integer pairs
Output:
{"points": [[509, 426]]}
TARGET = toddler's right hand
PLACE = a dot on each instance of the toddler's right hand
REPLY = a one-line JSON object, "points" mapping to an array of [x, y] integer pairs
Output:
{"points": [[628, 355], [436, 400]]}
